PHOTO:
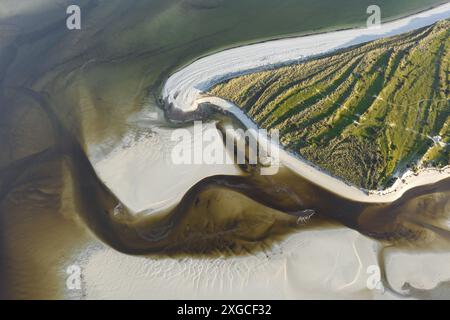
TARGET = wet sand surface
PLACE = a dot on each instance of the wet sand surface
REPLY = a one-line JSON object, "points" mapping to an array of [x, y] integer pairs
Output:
{"points": [[228, 237], [217, 224]]}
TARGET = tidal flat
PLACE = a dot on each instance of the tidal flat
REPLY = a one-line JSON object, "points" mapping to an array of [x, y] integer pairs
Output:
{"points": [[70, 100]]}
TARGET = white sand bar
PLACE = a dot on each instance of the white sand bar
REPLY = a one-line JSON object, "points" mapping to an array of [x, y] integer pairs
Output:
{"points": [[186, 90]]}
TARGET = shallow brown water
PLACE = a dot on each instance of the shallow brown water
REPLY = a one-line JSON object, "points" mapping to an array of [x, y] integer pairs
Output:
{"points": [[52, 204]]}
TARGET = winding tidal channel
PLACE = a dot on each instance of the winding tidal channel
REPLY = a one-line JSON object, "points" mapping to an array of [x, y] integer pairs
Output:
{"points": [[225, 226], [196, 224]]}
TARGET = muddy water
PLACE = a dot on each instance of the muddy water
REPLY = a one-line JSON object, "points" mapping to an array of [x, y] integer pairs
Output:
{"points": [[54, 205], [417, 217]]}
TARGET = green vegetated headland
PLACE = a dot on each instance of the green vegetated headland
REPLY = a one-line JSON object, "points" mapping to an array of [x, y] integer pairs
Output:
{"points": [[364, 114]]}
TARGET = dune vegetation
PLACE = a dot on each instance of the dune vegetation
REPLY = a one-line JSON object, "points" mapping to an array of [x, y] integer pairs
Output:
{"points": [[365, 114]]}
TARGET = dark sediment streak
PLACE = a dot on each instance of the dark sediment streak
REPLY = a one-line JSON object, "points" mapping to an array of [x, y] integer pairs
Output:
{"points": [[285, 193]]}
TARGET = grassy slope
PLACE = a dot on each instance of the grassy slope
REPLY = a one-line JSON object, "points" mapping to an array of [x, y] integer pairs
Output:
{"points": [[97, 76], [363, 114]]}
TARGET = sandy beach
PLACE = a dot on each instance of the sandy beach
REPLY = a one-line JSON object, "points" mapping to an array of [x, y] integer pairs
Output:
{"points": [[338, 264], [275, 274], [84, 139], [185, 90], [131, 166], [314, 174]]}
